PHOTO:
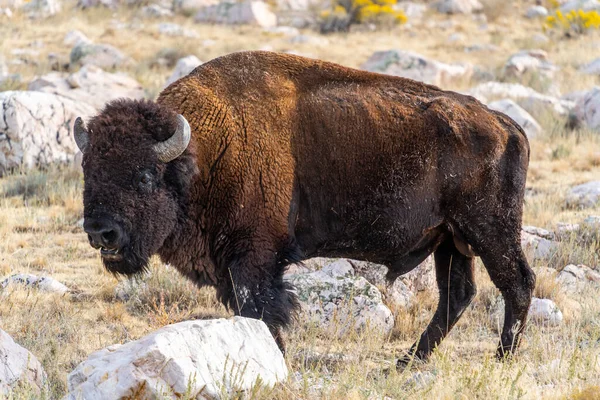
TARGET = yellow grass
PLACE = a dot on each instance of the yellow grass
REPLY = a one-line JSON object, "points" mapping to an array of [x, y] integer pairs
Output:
{"points": [[39, 234]]}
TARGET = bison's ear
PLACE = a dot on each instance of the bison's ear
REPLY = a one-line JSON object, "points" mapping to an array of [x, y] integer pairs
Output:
{"points": [[172, 148], [81, 136]]}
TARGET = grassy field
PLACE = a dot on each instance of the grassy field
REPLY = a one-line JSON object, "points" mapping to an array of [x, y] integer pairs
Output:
{"points": [[40, 234]]}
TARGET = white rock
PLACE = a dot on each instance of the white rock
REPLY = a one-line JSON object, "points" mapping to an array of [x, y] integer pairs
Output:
{"points": [[233, 13], [586, 5], [203, 359], [97, 3], [536, 12], [191, 6], [6, 11], [545, 312], [565, 230], [337, 300], [89, 85], [44, 283], [538, 247], [412, 10], [541, 232], [156, 11], [526, 97], [42, 8], [75, 37], [586, 195], [36, 128], [574, 278], [531, 127], [170, 29], [18, 366], [593, 68], [183, 67], [587, 109], [415, 66], [100, 55], [301, 5], [458, 6], [527, 61]]}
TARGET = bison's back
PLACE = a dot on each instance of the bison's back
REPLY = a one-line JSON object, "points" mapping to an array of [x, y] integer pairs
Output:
{"points": [[365, 161]]}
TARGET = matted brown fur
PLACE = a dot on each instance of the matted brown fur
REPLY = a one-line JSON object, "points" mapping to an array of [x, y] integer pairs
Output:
{"points": [[292, 158]]}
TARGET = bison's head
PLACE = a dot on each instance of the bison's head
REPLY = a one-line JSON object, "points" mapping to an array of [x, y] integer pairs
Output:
{"points": [[135, 166]]}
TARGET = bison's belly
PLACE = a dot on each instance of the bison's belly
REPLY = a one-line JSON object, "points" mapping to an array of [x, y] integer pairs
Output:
{"points": [[365, 228]]}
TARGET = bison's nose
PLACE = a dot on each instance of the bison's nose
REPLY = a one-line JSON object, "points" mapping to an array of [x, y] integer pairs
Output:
{"points": [[103, 233]]}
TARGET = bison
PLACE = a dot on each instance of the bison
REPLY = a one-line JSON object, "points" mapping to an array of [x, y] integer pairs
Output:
{"points": [[256, 160]]}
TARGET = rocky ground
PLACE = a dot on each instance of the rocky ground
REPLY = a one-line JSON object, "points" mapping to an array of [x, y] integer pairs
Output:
{"points": [[61, 59]]}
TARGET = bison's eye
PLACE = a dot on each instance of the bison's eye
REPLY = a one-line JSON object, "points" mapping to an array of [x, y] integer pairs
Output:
{"points": [[145, 180]]}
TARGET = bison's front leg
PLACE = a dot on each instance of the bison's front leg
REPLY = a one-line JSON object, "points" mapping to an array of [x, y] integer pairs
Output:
{"points": [[257, 290]]}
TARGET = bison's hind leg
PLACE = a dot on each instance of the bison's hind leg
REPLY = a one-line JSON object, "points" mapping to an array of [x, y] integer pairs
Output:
{"points": [[456, 286]]}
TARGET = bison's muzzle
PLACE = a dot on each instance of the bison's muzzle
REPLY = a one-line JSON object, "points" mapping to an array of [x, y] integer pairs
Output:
{"points": [[106, 235]]}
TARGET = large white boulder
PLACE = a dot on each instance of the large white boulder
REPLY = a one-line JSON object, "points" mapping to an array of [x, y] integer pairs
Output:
{"points": [[234, 13], [337, 300], [586, 195], [531, 127], [415, 66], [18, 366], [183, 67], [90, 85], [202, 359], [36, 128], [587, 109], [458, 6]]}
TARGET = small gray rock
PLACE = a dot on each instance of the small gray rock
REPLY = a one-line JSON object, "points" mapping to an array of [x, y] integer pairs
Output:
{"points": [[100, 55], [536, 12], [586, 195]]}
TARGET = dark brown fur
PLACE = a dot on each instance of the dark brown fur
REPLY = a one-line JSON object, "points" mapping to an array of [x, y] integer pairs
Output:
{"points": [[293, 158]]}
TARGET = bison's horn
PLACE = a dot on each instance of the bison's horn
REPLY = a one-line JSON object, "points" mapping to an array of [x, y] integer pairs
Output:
{"points": [[172, 148], [81, 136]]}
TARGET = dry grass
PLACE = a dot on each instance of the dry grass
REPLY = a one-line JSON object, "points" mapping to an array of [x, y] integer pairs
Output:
{"points": [[39, 234]]}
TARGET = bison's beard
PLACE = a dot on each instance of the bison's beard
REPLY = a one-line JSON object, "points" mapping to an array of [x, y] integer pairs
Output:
{"points": [[134, 261]]}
